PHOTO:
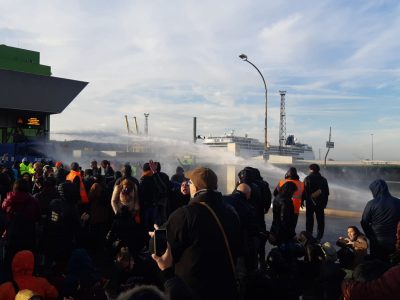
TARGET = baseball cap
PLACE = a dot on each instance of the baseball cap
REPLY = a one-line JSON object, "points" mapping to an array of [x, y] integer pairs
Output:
{"points": [[203, 178], [58, 164]]}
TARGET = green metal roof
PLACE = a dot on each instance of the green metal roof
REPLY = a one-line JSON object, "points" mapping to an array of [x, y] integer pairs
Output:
{"points": [[22, 60]]}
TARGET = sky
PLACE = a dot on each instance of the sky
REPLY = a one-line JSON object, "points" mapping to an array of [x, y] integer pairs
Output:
{"points": [[338, 61]]}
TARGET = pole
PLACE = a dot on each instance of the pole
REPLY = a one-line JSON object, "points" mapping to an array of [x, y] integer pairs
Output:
{"points": [[372, 147], [194, 129], [266, 102], [146, 124], [326, 155]]}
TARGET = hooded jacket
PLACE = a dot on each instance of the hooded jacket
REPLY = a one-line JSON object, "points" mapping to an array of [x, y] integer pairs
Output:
{"points": [[22, 211], [22, 203], [381, 215], [22, 268]]}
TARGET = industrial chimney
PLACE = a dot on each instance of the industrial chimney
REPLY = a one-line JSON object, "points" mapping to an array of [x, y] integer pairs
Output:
{"points": [[194, 129], [146, 124]]}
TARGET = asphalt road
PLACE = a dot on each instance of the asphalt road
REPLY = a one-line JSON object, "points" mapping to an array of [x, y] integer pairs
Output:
{"points": [[334, 227]]}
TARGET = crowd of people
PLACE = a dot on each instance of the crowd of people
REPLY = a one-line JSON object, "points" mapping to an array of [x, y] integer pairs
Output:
{"points": [[73, 233]]}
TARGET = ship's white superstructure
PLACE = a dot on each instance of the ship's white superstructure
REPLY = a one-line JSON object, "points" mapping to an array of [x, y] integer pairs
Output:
{"points": [[247, 147], [250, 147], [291, 148]]}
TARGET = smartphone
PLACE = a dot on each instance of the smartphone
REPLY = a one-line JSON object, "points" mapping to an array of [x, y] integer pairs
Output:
{"points": [[160, 241]]}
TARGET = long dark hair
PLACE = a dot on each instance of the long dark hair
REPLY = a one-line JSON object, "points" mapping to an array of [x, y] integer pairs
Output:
{"points": [[292, 174]]}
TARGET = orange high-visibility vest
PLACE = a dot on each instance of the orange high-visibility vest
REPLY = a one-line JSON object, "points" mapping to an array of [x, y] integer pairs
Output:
{"points": [[82, 191], [296, 198]]}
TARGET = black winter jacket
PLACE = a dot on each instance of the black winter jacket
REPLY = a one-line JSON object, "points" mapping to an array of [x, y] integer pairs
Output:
{"points": [[381, 214], [154, 190], [245, 211], [312, 183], [265, 193], [126, 232], [248, 223], [198, 246]]}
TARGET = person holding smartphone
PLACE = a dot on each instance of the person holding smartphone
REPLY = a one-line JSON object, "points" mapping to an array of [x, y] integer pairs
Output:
{"points": [[199, 250]]}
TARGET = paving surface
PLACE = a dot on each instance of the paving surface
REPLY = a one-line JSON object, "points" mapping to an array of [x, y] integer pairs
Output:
{"points": [[335, 226]]}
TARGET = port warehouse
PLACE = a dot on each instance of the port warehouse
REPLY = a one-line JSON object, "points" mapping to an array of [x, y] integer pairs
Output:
{"points": [[29, 94]]}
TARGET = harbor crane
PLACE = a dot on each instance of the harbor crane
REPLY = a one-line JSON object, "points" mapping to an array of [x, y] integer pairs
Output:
{"points": [[128, 127]]}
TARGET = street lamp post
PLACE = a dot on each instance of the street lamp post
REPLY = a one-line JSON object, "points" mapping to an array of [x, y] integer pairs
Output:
{"points": [[372, 147], [244, 58]]}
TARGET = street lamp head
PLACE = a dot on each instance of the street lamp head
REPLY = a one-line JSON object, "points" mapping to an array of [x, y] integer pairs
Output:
{"points": [[243, 56]]}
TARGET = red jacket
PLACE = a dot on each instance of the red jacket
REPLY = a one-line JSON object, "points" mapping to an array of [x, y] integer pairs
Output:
{"points": [[22, 203], [22, 268], [386, 287]]}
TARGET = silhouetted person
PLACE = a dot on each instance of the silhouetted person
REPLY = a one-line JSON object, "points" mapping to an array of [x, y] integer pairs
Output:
{"points": [[179, 176], [291, 175], [316, 192], [96, 170], [283, 223], [379, 220], [200, 251]]}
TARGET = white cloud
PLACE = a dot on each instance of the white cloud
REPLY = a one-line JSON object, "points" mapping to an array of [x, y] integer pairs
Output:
{"points": [[179, 59]]}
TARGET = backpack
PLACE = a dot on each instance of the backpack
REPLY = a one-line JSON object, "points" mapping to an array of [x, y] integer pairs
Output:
{"points": [[265, 193]]}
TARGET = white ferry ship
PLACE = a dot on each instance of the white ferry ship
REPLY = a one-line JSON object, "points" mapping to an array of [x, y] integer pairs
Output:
{"points": [[250, 147]]}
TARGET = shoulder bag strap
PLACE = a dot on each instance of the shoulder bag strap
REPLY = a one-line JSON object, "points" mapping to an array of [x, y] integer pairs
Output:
{"points": [[223, 233]]}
